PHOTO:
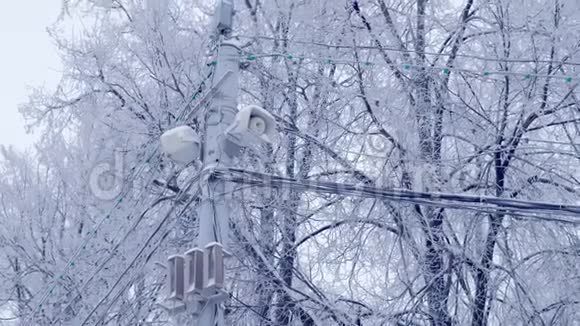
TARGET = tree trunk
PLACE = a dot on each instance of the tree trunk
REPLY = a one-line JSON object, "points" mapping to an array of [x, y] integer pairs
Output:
{"points": [[437, 292], [289, 224]]}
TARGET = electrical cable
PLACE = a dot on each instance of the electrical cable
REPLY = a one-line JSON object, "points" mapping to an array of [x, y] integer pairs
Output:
{"points": [[391, 49], [495, 203], [487, 74], [149, 239], [92, 234], [113, 250]]}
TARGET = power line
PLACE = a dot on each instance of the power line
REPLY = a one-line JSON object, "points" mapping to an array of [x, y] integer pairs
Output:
{"points": [[113, 250], [403, 195], [444, 70], [145, 245], [456, 160], [114, 247], [550, 142], [391, 49], [91, 235], [494, 203]]}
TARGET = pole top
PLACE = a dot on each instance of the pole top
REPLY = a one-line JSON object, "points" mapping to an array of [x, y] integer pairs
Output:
{"points": [[224, 17]]}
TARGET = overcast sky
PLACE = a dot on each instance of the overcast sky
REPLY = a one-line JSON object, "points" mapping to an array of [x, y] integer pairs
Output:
{"points": [[27, 58]]}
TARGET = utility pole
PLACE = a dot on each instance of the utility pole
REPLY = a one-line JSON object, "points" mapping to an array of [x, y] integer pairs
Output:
{"points": [[196, 278], [214, 210]]}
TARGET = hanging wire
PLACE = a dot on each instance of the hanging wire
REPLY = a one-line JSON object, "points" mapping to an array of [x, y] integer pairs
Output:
{"points": [[445, 70], [71, 262], [391, 49], [146, 244], [437, 199]]}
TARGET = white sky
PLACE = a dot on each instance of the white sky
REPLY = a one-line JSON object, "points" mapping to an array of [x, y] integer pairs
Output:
{"points": [[27, 59]]}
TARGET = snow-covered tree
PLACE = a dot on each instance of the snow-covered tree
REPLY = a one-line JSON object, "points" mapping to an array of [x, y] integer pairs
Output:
{"points": [[471, 97]]}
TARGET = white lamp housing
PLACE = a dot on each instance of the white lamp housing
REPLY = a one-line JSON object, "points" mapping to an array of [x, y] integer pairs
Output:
{"points": [[181, 144], [213, 273], [176, 277], [194, 271], [253, 126]]}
